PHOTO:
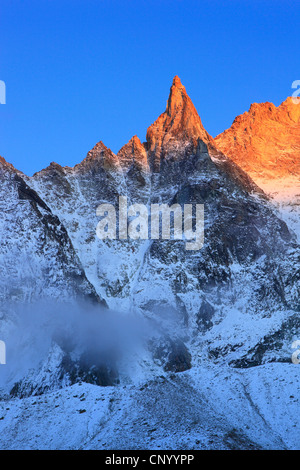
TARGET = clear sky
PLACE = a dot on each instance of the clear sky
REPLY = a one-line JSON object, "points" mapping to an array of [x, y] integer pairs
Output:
{"points": [[80, 71]]}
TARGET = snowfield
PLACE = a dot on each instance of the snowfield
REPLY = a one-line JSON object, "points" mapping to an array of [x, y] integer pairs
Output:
{"points": [[197, 409]]}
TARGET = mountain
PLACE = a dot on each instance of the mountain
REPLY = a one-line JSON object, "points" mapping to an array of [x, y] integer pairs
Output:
{"points": [[211, 364], [265, 142], [40, 274], [178, 163], [179, 123], [38, 258]]}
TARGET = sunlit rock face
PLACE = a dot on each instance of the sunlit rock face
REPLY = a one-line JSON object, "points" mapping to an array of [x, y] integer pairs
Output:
{"points": [[176, 132], [265, 142], [133, 160], [99, 158], [133, 154]]}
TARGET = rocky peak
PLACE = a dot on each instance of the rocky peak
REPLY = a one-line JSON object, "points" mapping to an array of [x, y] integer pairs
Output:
{"points": [[287, 112], [291, 109], [133, 153], [53, 168], [176, 98], [177, 130], [99, 157], [265, 141], [5, 164]]}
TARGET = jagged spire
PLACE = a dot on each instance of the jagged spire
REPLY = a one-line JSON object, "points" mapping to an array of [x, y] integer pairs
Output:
{"points": [[177, 97], [179, 124]]}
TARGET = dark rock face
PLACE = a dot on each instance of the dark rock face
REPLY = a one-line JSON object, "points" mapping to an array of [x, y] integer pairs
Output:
{"points": [[19, 392], [90, 369], [205, 316], [66, 371], [173, 355], [275, 347], [179, 358]]}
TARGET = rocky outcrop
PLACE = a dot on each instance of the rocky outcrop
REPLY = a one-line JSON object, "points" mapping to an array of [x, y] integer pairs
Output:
{"points": [[172, 354], [135, 167], [133, 154]]}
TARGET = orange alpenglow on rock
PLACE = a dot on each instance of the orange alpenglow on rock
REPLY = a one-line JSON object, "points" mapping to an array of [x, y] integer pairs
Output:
{"points": [[265, 142], [177, 130]]}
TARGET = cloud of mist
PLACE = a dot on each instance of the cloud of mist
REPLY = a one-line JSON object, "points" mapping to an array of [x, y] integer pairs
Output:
{"points": [[78, 329]]}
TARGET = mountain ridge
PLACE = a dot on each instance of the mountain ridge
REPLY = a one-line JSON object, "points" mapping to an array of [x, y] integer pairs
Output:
{"points": [[220, 321], [265, 142]]}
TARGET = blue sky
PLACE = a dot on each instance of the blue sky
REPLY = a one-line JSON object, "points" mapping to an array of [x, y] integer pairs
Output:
{"points": [[80, 71]]}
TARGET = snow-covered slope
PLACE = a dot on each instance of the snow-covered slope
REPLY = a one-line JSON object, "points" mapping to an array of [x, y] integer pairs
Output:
{"points": [[204, 408], [37, 256]]}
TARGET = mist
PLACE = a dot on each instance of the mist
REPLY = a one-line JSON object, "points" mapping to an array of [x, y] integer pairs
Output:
{"points": [[84, 333]]}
